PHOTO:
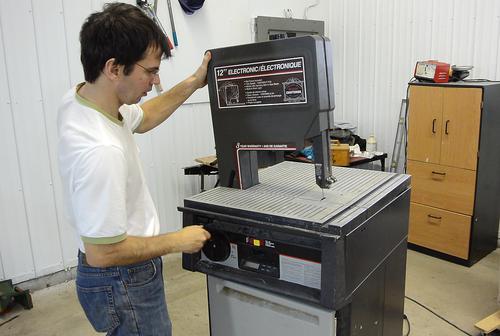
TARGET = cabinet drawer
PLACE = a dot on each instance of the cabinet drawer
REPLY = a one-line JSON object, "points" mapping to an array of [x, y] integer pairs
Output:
{"points": [[442, 187], [439, 230]]}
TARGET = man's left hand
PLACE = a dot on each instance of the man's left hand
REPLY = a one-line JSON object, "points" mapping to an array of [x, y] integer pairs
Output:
{"points": [[201, 73]]}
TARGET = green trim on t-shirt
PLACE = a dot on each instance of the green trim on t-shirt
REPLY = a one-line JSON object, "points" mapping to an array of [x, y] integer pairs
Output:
{"points": [[104, 240], [93, 106], [140, 122]]}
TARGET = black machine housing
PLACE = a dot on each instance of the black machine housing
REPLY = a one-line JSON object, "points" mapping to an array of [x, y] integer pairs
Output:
{"points": [[355, 258], [362, 253], [276, 96]]}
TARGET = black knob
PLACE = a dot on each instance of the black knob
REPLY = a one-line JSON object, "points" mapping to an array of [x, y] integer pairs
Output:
{"points": [[217, 248]]}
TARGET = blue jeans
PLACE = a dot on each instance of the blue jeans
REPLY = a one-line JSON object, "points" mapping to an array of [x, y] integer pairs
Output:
{"points": [[124, 300]]}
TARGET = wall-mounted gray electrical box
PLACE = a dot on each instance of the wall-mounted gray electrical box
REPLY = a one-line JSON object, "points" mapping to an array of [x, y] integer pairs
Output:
{"points": [[274, 28]]}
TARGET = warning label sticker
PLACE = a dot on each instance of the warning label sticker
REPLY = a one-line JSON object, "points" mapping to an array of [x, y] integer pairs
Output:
{"points": [[276, 82], [300, 271]]}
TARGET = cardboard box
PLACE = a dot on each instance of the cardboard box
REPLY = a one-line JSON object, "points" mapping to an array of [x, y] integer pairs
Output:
{"points": [[340, 153]]}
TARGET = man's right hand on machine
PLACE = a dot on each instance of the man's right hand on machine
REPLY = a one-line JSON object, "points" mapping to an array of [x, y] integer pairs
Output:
{"points": [[191, 238]]}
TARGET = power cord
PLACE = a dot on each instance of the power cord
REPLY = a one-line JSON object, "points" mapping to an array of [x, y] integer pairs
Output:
{"points": [[309, 7], [434, 313], [408, 323]]}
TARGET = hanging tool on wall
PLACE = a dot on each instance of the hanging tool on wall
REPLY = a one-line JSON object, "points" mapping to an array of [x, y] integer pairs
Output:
{"points": [[150, 11], [191, 6], [171, 14]]}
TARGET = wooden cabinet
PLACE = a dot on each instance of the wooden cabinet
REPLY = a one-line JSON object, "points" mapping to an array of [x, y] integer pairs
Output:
{"points": [[453, 156], [445, 126]]}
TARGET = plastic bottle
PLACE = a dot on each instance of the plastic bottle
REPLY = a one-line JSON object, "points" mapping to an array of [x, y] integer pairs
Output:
{"points": [[371, 144]]}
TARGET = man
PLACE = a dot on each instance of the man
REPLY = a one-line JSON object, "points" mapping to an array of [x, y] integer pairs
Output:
{"points": [[119, 280]]}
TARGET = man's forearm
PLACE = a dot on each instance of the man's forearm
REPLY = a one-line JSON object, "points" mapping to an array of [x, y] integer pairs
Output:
{"points": [[158, 109], [131, 250]]}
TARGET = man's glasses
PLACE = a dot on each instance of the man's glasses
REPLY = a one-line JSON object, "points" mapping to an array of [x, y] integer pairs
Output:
{"points": [[151, 72]]}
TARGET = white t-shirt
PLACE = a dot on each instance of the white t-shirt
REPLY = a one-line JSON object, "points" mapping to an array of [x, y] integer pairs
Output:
{"points": [[106, 192]]}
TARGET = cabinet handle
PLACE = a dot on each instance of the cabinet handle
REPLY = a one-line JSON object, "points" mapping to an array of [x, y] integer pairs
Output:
{"points": [[434, 126], [434, 217], [438, 173], [446, 127]]}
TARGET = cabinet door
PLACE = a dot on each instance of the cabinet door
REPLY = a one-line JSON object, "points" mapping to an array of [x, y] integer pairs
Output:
{"points": [[460, 129], [424, 120]]}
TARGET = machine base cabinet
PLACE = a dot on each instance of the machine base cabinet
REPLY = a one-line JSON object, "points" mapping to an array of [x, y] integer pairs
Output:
{"points": [[454, 161], [376, 309], [241, 310], [274, 272]]}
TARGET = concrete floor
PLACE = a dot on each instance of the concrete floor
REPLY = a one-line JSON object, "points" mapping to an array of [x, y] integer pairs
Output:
{"points": [[459, 294]]}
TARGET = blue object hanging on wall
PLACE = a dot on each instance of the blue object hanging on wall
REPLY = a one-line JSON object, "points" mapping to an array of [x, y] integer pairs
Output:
{"points": [[190, 6]]}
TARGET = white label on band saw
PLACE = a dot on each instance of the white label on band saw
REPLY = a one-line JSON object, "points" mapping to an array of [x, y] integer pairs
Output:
{"points": [[273, 82], [300, 271]]}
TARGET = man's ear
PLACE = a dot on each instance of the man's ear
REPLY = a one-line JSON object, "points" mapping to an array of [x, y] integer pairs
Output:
{"points": [[111, 70]]}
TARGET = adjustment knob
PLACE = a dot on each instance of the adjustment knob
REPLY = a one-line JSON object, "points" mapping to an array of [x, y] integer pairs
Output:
{"points": [[217, 248]]}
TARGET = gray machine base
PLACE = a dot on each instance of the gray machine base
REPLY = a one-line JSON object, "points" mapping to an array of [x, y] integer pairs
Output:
{"points": [[241, 310]]}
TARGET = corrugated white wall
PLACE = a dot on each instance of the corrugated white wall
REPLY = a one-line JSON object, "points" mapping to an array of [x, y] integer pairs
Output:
{"points": [[39, 61], [376, 44]]}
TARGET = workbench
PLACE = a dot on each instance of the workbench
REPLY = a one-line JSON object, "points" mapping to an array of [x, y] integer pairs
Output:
{"points": [[355, 160], [207, 170]]}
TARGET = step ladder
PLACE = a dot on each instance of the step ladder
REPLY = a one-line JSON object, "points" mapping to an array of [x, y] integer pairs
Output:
{"points": [[399, 149]]}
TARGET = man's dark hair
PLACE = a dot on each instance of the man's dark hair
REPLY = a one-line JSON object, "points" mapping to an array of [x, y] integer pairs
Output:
{"points": [[120, 31]]}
